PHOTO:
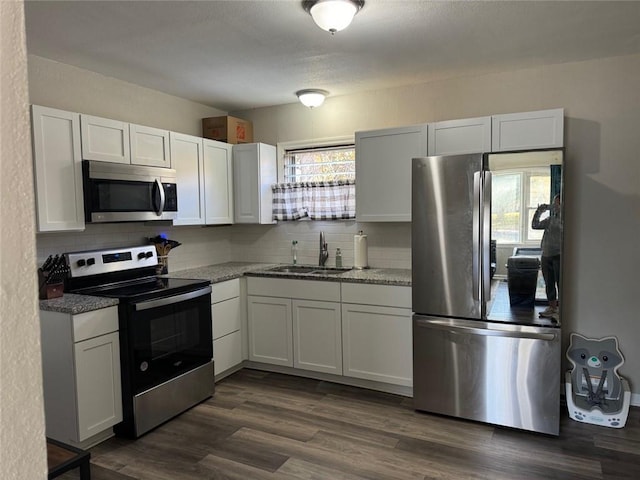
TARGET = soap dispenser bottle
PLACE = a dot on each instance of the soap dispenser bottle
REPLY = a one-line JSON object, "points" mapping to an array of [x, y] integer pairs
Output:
{"points": [[338, 258], [294, 251]]}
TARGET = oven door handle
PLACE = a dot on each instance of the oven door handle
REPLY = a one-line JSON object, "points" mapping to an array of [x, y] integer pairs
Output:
{"points": [[161, 302]]}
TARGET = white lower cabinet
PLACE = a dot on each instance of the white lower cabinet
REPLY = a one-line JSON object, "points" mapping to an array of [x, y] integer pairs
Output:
{"points": [[377, 333], [317, 336], [295, 323], [270, 330], [81, 375], [227, 324]]}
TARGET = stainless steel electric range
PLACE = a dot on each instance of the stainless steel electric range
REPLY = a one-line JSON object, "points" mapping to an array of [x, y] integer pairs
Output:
{"points": [[166, 345]]}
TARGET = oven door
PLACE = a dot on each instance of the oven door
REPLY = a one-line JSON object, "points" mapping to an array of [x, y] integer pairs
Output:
{"points": [[167, 337]]}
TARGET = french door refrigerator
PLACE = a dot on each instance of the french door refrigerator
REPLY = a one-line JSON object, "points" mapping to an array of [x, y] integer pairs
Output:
{"points": [[475, 356]]}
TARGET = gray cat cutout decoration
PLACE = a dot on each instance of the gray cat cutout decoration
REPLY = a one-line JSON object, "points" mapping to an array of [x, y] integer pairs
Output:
{"points": [[595, 392]]}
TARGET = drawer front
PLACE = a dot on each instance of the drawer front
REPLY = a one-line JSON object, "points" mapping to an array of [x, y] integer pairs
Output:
{"points": [[226, 317], [385, 295], [227, 352], [92, 324], [289, 288], [225, 290]]}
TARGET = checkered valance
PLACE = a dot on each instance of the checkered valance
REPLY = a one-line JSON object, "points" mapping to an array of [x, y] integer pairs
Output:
{"points": [[316, 200]]}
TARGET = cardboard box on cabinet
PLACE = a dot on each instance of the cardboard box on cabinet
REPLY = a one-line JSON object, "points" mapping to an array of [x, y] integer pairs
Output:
{"points": [[227, 129]]}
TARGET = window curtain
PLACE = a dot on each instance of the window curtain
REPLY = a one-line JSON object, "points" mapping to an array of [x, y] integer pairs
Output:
{"points": [[332, 200]]}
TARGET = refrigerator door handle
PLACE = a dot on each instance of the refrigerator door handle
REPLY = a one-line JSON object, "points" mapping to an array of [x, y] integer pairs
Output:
{"points": [[464, 330], [486, 236], [475, 263]]}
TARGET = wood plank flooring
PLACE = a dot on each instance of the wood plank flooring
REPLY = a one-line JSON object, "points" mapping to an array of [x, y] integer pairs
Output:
{"points": [[266, 426]]}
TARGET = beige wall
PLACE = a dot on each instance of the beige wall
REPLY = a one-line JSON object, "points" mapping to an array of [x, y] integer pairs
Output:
{"points": [[22, 437], [62, 86], [602, 108]]}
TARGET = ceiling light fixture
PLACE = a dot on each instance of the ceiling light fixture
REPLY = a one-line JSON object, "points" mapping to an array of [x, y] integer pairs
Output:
{"points": [[312, 97], [332, 15]]}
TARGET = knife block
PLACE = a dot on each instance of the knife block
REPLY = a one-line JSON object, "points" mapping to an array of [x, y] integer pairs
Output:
{"points": [[49, 290]]}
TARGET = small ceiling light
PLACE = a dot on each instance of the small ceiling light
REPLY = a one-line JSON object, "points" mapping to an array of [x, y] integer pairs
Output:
{"points": [[332, 15], [312, 97]]}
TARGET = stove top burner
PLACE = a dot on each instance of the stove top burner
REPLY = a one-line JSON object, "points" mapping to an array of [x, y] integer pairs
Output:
{"points": [[145, 288]]}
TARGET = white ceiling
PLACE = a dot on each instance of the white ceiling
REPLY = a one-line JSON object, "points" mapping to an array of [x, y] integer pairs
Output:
{"points": [[237, 54]]}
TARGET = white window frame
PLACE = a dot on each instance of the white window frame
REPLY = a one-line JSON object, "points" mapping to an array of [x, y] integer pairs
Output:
{"points": [[282, 147], [525, 186]]}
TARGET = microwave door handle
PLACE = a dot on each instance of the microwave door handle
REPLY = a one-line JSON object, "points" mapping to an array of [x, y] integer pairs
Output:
{"points": [[160, 188]]}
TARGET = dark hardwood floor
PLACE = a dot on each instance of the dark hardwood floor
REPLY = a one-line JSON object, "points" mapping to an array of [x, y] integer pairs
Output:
{"points": [[265, 426]]}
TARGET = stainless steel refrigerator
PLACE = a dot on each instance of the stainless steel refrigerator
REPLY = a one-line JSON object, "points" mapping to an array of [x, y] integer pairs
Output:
{"points": [[479, 352]]}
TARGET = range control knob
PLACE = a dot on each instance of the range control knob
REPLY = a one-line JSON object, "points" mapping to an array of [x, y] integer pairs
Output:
{"points": [[81, 262], [91, 261], [142, 256], [149, 254]]}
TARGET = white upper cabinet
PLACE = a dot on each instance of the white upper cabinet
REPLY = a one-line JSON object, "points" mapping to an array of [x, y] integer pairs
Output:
{"points": [[454, 137], [188, 162], [254, 171], [149, 146], [205, 182], [528, 130], [105, 140], [58, 169], [218, 182], [383, 172]]}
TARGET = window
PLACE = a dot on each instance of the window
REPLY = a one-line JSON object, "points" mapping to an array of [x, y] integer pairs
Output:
{"points": [[320, 164], [515, 197], [319, 183]]}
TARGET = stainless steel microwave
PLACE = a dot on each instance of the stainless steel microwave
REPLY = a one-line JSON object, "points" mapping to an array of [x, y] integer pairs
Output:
{"points": [[118, 192]]}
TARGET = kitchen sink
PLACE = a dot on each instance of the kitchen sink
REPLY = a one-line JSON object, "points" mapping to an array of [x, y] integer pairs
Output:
{"points": [[310, 270]]}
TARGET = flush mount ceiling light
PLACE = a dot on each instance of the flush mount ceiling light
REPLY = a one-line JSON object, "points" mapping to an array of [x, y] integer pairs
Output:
{"points": [[312, 97], [332, 15]]}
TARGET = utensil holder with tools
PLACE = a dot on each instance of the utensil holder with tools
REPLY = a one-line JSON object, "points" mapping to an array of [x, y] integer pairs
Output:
{"points": [[163, 265]]}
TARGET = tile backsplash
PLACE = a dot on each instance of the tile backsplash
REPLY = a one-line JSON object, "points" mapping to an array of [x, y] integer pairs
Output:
{"points": [[389, 244]]}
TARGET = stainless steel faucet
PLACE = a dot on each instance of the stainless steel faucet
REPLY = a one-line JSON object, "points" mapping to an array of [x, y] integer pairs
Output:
{"points": [[324, 251]]}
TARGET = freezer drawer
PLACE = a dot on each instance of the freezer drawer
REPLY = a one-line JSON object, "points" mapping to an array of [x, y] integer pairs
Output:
{"points": [[495, 373]]}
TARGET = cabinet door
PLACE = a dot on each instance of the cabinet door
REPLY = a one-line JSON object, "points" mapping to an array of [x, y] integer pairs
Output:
{"points": [[227, 352], [254, 171], [270, 330], [383, 172], [377, 343], [97, 363], [469, 135], [149, 146], [105, 140], [528, 130], [218, 183], [317, 336], [186, 152], [58, 169], [246, 184]]}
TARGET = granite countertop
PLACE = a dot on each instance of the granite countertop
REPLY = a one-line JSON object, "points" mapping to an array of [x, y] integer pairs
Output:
{"points": [[75, 304], [221, 272], [231, 270]]}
